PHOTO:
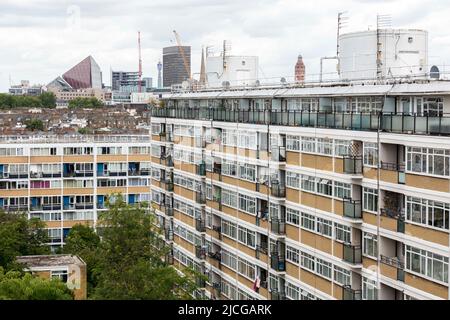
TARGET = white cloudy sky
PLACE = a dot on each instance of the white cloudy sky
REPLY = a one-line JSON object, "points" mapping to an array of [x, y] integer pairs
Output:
{"points": [[40, 39]]}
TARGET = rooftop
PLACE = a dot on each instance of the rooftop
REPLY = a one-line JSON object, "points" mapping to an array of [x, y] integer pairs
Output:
{"points": [[50, 260], [74, 138]]}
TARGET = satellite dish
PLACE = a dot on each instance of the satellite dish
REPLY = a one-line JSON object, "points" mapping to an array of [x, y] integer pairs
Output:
{"points": [[434, 72], [185, 85], [283, 80], [257, 83], [226, 84]]}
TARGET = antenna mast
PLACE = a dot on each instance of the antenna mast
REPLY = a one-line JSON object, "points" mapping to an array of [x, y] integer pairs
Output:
{"points": [[140, 64]]}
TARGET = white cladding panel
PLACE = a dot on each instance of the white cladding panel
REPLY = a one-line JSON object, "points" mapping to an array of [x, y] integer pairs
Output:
{"points": [[403, 53], [239, 70]]}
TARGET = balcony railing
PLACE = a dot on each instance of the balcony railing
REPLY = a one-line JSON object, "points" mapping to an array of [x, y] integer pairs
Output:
{"points": [[37, 175], [353, 165], [278, 190], [350, 294], [17, 207], [200, 252], [200, 197], [352, 209], [200, 169], [278, 154], [169, 258], [276, 295], [277, 262], [278, 226], [168, 234], [397, 214], [168, 211], [200, 225], [168, 185], [390, 122], [352, 254], [215, 255], [46, 207], [399, 168]]}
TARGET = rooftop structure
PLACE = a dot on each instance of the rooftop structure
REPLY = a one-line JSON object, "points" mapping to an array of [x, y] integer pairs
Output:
{"points": [[86, 74], [68, 268]]}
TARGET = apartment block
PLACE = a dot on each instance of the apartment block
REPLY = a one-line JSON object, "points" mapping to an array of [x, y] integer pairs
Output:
{"points": [[332, 191], [67, 180]]}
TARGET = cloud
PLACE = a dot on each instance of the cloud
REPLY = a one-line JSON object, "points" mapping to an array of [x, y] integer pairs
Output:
{"points": [[43, 38]]}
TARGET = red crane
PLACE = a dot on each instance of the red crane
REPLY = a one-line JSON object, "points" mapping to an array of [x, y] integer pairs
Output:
{"points": [[140, 64]]}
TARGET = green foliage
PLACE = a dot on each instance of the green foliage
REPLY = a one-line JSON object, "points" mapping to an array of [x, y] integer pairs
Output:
{"points": [[48, 100], [83, 242], [128, 261], [34, 125], [85, 103], [20, 236], [16, 286], [84, 131], [45, 100]]}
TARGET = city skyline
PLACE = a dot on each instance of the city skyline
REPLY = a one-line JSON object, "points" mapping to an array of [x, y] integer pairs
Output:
{"points": [[58, 34]]}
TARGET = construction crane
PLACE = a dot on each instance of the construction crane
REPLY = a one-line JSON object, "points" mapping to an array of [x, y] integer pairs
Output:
{"points": [[140, 64], [183, 55]]}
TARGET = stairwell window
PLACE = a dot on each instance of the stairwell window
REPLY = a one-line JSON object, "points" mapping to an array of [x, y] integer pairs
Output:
{"points": [[370, 154], [370, 200]]}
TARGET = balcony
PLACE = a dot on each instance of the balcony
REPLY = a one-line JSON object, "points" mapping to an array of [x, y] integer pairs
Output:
{"points": [[200, 225], [200, 281], [350, 294], [394, 167], [38, 175], [200, 253], [168, 234], [276, 295], [215, 255], [16, 207], [398, 215], [278, 226], [396, 265], [277, 262], [278, 154], [200, 169], [168, 185], [46, 207], [200, 197], [15, 175], [353, 165], [278, 190], [200, 142], [167, 161], [168, 210], [169, 258], [352, 254], [352, 209]]}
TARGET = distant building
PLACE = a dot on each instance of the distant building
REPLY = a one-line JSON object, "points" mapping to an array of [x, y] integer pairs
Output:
{"points": [[124, 83], [64, 96], [174, 70], [24, 89], [300, 70], [86, 74], [159, 66], [68, 268]]}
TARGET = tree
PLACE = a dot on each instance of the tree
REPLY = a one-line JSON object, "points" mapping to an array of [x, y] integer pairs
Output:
{"points": [[84, 131], [20, 236], [48, 100], [85, 103], [129, 260], [83, 242], [34, 124], [15, 285]]}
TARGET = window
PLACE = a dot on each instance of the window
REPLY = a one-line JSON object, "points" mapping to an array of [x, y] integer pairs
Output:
{"points": [[323, 268], [229, 229], [292, 216], [293, 180], [308, 222], [370, 154], [369, 289], [428, 212], [247, 204], [229, 168], [370, 245], [229, 198], [59, 274], [342, 276], [292, 255], [308, 144], [428, 161], [293, 143], [246, 237], [308, 183], [247, 172], [427, 263], [370, 200], [342, 190], [324, 186], [307, 261], [342, 148], [342, 233], [325, 146], [324, 227]]}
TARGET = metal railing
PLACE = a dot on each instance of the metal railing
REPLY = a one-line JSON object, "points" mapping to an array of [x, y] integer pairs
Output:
{"points": [[350, 294], [200, 252], [423, 124], [278, 226], [392, 166], [397, 214], [277, 261], [200, 225], [75, 138], [353, 165], [352, 254], [278, 190], [352, 209]]}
